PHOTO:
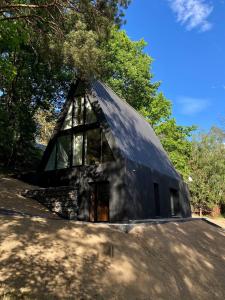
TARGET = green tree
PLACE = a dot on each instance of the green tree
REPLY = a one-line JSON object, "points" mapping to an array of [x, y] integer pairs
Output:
{"points": [[45, 45], [128, 72], [207, 165], [41, 53], [45, 122]]}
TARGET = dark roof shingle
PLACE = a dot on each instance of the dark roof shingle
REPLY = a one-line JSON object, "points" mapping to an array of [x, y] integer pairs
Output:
{"points": [[133, 135]]}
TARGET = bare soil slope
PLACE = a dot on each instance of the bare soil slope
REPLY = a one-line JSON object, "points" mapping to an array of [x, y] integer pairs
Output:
{"points": [[11, 201], [46, 258]]}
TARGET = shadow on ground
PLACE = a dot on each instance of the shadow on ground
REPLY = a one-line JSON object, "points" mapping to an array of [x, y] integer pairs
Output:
{"points": [[12, 202], [43, 258]]}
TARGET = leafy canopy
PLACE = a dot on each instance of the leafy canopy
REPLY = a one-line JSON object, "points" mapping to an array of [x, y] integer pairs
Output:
{"points": [[128, 72], [207, 165], [44, 45]]}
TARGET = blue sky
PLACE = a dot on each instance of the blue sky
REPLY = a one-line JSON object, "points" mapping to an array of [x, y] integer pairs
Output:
{"points": [[186, 39]]}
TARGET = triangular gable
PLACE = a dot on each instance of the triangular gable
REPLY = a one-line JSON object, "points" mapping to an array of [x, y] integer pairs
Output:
{"points": [[131, 136], [73, 137], [75, 113], [134, 136]]}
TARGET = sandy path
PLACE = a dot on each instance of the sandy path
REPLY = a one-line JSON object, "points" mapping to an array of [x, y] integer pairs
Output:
{"points": [[43, 258], [57, 259]]}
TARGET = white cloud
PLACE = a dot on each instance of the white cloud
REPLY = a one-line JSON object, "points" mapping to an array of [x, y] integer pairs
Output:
{"points": [[192, 106], [192, 13]]}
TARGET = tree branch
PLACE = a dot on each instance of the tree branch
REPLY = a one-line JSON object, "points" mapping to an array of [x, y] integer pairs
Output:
{"points": [[16, 17], [29, 18], [12, 6]]}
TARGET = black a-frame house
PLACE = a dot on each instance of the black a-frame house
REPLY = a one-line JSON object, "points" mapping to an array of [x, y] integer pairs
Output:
{"points": [[107, 152]]}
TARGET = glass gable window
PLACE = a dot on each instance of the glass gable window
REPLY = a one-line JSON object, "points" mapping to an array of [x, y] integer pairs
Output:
{"points": [[81, 145], [90, 115], [68, 120], [78, 112], [77, 149], [63, 152], [93, 147]]}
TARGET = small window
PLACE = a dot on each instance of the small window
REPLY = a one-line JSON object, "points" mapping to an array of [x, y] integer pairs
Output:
{"points": [[77, 149], [51, 161], [156, 199], [78, 112], [90, 115], [93, 147], [63, 151], [174, 202]]}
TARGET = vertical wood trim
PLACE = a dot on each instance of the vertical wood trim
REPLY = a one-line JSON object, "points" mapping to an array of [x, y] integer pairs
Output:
{"points": [[84, 111], [101, 135], [84, 133], [56, 153], [71, 148]]}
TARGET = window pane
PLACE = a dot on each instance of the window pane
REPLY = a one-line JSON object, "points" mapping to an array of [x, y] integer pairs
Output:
{"points": [[68, 120], [63, 152], [106, 151], [77, 149], [90, 115], [51, 161], [79, 111], [93, 147]]}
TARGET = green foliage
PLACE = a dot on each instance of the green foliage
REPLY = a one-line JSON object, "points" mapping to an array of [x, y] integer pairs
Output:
{"points": [[45, 120], [127, 69], [27, 81], [81, 51], [158, 111], [44, 45], [128, 72], [175, 139], [17, 137], [207, 165]]}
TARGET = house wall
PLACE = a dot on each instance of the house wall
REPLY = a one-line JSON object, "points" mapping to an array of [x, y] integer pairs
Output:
{"points": [[82, 178], [140, 202], [131, 189], [185, 199]]}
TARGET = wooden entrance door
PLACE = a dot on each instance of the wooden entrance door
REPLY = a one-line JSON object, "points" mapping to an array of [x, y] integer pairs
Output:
{"points": [[92, 205], [99, 202]]}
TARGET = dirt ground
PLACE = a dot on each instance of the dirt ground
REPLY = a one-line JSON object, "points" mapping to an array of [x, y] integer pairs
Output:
{"points": [[11, 201], [220, 221], [49, 258]]}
